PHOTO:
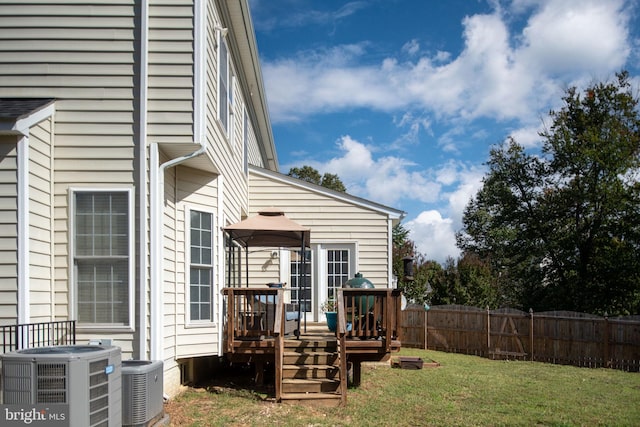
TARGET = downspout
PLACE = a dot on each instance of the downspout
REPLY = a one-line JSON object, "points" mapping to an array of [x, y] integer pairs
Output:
{"points": [[157, 211], [23, 229], [143, 203], [221, 271]]}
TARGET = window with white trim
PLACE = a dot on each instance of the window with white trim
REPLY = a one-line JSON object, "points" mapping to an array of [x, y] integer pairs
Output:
{"points": [[224, 86], [245, 143], [102, 256], [200, 266], [337, 271]]}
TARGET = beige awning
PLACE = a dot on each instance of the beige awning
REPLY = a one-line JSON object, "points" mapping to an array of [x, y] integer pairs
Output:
{"points": [[270, 228]]}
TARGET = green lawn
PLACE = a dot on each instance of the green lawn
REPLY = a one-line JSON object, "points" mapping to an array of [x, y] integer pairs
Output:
{"points": [[463, 391]]}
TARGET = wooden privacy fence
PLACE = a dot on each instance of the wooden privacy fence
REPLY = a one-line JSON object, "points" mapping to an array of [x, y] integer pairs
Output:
{"points": [[559, 337]]}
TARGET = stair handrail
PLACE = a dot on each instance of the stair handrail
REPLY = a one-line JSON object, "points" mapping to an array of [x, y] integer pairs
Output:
{"points": [[341, 335], [278, 330]]}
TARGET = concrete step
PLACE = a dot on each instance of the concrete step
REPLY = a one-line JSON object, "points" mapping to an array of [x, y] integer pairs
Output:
{"points": [[314, 385], [310, 371]]}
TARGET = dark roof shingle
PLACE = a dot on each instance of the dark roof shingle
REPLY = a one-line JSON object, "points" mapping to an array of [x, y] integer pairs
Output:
{"points": [[12, 109]]}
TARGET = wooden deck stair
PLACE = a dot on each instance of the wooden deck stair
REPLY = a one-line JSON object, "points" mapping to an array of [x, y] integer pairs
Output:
{"points": [[311, 371]]}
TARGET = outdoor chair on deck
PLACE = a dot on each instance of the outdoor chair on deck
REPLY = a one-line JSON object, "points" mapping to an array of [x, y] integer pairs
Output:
{"points": [[266, 305]]}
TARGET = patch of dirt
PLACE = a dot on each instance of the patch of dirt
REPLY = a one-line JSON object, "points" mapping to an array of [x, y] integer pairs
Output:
{"points": [[232, 379]]}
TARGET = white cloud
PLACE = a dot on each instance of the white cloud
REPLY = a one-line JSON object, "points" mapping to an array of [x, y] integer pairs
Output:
{"points": [[389, 179], [500, 74], [574, 36], [504, 72], [528, 137], [434, 235], [386, 180], [411, 47]]}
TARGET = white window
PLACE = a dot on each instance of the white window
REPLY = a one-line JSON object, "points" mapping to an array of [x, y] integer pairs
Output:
{"points": [[245, 143], [225, 81], [102, 257], [337, 271], [200, 266]]}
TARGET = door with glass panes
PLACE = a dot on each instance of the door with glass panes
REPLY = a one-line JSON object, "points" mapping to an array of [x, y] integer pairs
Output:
{"points": [[326, 267]]}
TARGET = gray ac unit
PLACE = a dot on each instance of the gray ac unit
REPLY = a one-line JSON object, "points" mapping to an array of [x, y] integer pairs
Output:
{"points": [[82, 382], [142, 390]]}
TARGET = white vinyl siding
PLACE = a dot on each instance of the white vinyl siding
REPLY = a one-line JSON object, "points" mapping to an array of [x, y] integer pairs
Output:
{"points": [[170, 72], [190, 190], [225, 144], [331, 220], [40, 222], [83, 55], [102, 249], [8, 231]]}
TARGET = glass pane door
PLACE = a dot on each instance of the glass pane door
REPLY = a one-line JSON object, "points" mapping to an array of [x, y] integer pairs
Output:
{"points": [[301, 283]]}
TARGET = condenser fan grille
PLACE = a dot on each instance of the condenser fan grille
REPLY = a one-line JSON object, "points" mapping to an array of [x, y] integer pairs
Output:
{"points": [[98, 392], [51, 384]]}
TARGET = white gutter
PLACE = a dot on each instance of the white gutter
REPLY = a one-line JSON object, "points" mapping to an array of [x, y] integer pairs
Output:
{"points": [[156, 246], [143, 230]]}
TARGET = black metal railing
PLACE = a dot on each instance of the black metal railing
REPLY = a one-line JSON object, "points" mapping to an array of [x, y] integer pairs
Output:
{"points": [[43, 334]]}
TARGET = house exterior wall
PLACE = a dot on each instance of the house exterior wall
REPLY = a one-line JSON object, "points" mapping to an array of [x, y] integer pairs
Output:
{"points": [[110, 108], [41, 221], [135, 85], [83, 55], [8, 229], [196, 191], [336, 220], [170, 71]]}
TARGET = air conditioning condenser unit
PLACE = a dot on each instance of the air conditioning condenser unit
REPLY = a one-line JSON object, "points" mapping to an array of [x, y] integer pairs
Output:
{"points": [[142, 392], [78, 384]]}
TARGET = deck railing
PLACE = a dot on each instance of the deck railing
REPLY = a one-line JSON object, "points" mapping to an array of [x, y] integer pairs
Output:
{"points": [[370, 313], [252, 313], [43, 334]]}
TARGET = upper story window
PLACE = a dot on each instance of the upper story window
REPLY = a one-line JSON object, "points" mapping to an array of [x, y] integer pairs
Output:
{"points": [[225, 90], [245, 143], [102, 257]]}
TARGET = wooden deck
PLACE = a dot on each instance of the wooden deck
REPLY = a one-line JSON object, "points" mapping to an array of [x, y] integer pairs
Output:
{"points": [[311, 364]]}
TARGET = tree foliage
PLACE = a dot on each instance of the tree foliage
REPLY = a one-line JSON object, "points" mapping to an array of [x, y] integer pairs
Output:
{"points": [[561, 229], [310, 174], [467, 280]]}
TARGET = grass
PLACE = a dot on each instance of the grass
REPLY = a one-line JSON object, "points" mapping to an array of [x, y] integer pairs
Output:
{"points": [[463, 391]]}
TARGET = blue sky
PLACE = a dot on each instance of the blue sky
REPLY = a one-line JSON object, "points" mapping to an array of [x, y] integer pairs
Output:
{"points": [[402, 99]]}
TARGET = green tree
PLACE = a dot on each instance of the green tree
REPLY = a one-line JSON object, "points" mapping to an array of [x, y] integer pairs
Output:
{"points": [[562, 229], [417, 287], [310, 174]]}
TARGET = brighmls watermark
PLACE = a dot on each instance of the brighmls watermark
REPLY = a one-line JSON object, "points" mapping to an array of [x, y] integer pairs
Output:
{"points": [[34, 415]]}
